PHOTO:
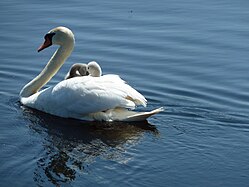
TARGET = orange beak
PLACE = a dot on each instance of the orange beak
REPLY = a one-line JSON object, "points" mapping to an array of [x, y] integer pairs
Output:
{"points": [[47, 42]]}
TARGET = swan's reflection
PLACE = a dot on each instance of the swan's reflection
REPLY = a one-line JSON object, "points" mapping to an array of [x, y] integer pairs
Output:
{"points": [[70, 146]]}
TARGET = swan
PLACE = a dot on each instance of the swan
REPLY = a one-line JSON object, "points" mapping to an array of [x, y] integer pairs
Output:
{"points": [[94, 69], [105, 98], [77, 70]]}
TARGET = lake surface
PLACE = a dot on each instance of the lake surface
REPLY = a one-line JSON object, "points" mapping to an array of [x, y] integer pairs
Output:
{"points": [[190, 57]]}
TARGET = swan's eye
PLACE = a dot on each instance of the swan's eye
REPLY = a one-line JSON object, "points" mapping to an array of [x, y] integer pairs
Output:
{"points": [[49, 36]]}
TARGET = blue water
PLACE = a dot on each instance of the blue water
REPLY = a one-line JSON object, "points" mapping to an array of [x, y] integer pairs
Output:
{"points": [[189, 56]]}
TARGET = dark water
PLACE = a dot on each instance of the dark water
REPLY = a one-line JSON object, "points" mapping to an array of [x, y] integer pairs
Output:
{"points": [[189, 56]]}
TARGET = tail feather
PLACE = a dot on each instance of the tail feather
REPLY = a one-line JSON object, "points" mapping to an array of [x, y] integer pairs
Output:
{"points": [[141, 116], [122, 114]]}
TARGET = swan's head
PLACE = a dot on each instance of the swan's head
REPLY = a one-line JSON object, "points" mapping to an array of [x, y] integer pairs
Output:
{"points": [[94, 69], [58, 36]]}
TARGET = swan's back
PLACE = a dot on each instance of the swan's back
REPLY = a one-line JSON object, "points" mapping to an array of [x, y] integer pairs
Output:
{"points": [[81, 96]]}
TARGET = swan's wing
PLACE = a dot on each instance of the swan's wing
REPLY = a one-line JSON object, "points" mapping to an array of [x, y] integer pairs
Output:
{"points": [[132, 94], [83, 95]]}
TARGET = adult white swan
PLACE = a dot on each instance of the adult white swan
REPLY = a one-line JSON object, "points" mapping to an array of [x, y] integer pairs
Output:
{"points": [[106, 98]]}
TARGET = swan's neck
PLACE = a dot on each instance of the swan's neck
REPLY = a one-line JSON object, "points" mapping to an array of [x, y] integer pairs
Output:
{"points": [[52, 67]]}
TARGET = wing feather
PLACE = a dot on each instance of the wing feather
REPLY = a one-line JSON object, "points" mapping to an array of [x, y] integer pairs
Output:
{"points": [[79, 96]]}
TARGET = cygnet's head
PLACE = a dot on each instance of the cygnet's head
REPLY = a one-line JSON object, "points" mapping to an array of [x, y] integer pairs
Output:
{"points": [[83, 70], [77, 70], [94, 69]]}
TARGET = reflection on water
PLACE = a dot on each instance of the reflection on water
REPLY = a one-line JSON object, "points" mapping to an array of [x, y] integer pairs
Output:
{"points": [[70, 146]]}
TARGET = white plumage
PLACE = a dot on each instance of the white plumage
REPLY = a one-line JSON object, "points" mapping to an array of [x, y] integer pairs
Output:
{"points": [[106, 97]]}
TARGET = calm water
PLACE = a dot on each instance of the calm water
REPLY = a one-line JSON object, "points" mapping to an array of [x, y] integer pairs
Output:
{"points": [[189, 56]]}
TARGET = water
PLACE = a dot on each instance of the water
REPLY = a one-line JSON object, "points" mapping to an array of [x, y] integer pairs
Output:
{"points": [[189, 56]]}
